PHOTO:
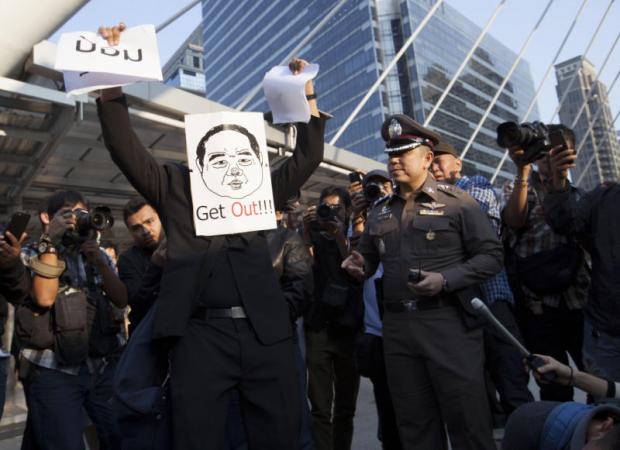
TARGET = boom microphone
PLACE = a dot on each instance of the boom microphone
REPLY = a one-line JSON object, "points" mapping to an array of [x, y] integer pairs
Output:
{"points": [[535, 362]]}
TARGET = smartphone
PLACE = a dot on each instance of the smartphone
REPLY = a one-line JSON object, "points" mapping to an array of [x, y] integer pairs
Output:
{"points": [[557, 138], [355, 177], [535, 362], [17, 225]]}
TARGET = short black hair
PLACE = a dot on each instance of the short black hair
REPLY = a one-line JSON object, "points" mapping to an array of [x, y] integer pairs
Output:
{"points": [[133, 206], [345, 198], [60, 199], [200, 150], [568, 132]]}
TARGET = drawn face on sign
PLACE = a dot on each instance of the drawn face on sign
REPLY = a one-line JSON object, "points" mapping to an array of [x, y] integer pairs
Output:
{"points": [[228, 158]]}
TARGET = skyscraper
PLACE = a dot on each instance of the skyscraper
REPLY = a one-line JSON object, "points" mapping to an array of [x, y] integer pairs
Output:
{"points": [[587, 103], [243, 40], [185, 69]]}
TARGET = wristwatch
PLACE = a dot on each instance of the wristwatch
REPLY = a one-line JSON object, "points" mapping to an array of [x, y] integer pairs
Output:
{"points": [[46, 245], [444, 284]]}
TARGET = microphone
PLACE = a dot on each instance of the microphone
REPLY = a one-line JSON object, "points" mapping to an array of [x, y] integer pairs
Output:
{"points": [[535, 362]]}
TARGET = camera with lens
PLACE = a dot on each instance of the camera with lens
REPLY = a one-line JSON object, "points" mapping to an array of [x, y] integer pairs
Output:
{"points": [[533, 137], [372, 191], [326, 212], [89, 223]]}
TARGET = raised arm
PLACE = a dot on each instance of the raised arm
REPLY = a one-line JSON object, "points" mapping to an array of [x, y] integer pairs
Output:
{"points": [[515, 212], [132, 158], [288, 179], [14, 283], [568, 210]]}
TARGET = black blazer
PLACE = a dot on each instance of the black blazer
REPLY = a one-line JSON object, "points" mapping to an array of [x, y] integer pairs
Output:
{"points": [[167, 188]]}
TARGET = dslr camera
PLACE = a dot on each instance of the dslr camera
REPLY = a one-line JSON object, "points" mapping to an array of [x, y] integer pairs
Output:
{"points": [[533, 137], [372, 191], [327, 212], [88, 224]]}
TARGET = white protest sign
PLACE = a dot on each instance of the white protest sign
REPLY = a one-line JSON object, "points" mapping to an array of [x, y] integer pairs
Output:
{"points": [[229, 173], [89, 63], [285, 93]]}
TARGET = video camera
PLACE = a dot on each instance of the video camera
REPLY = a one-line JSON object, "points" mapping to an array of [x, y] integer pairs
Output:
{"points": [[88, 224], [533, 137]]}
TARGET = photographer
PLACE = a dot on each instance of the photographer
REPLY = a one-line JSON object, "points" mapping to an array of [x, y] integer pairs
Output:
{"points": [[141, 266], [547, 271], [332, 323], [593, 218], [369, 352], [552, 425], [70, 333]]}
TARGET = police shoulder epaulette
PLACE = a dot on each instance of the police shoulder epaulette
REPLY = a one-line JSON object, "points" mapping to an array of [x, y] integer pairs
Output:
{"points": [[450, 189]]}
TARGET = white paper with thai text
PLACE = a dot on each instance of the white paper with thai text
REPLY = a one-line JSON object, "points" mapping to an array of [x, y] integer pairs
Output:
{"points": [[88, 63]]}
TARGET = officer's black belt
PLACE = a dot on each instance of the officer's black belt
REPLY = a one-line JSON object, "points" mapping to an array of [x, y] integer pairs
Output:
{"points": [[421, 304], [234, 312]]}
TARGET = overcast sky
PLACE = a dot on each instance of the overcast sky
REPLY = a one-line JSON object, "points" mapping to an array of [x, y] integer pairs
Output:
{"points": [[511, 27]]}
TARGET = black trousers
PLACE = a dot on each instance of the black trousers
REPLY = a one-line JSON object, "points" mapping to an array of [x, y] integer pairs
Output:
{"points": [[218, 355], [333, 384], [371, 364], [557, 332], [504, 363], [435, 373]]}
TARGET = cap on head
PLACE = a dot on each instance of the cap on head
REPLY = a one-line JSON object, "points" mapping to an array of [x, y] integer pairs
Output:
{"points": [[402, 133], [444, 148], [378, 173]]}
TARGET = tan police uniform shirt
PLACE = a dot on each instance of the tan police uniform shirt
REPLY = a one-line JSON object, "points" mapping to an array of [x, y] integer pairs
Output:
{"points": [[440, 228]]}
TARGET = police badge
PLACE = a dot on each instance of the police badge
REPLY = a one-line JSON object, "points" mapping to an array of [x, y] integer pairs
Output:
{"points": [[395, 129]]}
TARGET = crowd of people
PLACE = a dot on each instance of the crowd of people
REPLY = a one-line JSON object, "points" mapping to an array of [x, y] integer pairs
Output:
{"points": [[258, 340]]}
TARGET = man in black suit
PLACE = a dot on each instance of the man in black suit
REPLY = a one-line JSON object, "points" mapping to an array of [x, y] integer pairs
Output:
{"points": [[231, 325]]}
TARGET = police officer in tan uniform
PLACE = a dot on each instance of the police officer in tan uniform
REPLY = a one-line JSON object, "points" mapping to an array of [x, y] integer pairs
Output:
{"points": [[433, 344]]}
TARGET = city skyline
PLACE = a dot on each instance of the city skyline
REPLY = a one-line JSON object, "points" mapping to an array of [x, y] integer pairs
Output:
{"points": [[511, 27]]}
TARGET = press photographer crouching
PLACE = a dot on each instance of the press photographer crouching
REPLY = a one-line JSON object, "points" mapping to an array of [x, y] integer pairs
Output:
{"points": [[332, 322], [369, 353], [547, 271], [573, 426], [70, 333]]}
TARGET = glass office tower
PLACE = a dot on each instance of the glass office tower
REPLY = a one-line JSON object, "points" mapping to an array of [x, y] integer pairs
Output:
{"points": [[594, 127], [185, 69], [242, 40]]}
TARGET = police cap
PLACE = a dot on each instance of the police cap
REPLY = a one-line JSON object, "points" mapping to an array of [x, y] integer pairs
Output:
{"points": [[402, 133]]}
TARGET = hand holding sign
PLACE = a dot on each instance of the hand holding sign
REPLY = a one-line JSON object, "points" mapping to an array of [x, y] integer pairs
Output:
{"points": [[286, 89], [91, 61]]}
